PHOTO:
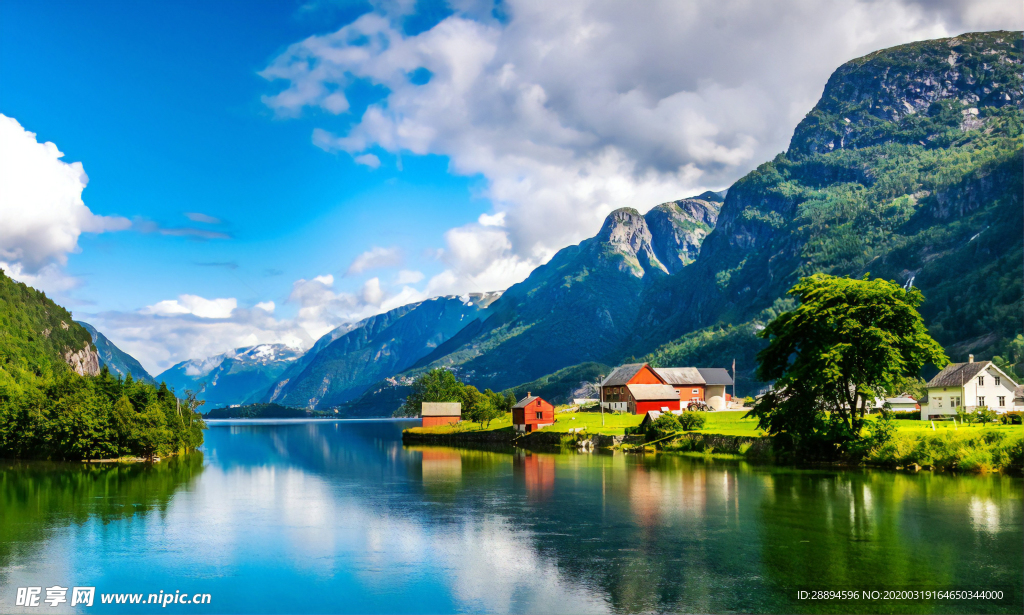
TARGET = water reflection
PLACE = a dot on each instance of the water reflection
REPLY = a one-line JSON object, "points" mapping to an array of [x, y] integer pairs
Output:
{"points": [[340, 517]]}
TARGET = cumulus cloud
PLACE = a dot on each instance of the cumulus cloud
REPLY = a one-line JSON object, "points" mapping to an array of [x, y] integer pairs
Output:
{"points": [[375, 258], [41, 204], [195, 305], [369, 160], [571, 109]]}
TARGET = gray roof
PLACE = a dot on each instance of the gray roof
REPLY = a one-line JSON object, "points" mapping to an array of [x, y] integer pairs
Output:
{"points": [[1018, 393], [680, 375], [526, 401], [653, 392], [440, 408], [957, 374], [715, 375], [900, 400], [622, 374]]}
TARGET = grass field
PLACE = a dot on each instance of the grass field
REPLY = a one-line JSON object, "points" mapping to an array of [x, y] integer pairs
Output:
{"points": [[726, 423]]}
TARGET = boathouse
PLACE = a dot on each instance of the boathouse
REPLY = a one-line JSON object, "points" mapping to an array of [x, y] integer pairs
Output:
{"points": [[440, 413]]}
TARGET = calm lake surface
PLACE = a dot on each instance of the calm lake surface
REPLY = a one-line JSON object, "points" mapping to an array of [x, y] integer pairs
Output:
{"points": [[339, 517]]}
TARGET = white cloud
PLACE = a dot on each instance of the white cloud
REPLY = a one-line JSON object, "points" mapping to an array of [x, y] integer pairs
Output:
{"points": [[572, 109], [369, 160], [195, 305], [407, 276], [266, 306], [375, 258], [41, 203]]}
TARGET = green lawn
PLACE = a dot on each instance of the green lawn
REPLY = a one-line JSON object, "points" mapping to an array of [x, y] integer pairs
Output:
{"points": [[727, 423]]}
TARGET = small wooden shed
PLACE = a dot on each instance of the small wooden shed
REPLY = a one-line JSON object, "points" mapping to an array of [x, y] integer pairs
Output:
{"points": [[440, 413], [531, 413]]}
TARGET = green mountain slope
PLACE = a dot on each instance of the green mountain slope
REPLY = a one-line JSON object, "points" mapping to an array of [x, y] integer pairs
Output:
{"points": [[37, 335], [908, 168], [378, 347], [117, 361], [581, 304]]}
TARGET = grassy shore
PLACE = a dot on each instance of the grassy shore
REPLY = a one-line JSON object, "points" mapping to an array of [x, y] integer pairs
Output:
{"points": [[944, 445]]}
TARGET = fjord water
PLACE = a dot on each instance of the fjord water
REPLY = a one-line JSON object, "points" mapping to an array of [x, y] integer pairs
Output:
{"points": [[339, 516]]}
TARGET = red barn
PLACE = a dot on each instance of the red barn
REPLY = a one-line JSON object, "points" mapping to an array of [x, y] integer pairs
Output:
{"points": [[440, 413], [532, 413], [614, 396], [646, 397]]}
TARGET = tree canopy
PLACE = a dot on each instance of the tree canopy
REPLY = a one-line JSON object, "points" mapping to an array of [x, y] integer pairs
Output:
{"points": [[846, 343], [441, 385]]}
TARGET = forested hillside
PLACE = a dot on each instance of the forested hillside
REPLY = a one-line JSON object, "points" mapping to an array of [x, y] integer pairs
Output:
{"points": [[57, 403]]}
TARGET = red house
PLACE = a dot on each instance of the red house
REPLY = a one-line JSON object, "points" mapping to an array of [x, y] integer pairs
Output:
{"points": [[643, 398], [614, 396], [532, 413]]}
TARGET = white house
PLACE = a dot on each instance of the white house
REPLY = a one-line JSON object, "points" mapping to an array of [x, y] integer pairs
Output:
{"points": [[969, 385]]}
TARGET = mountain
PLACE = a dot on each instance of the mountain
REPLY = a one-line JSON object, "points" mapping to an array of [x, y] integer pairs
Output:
{"points": [[233, 377], [908, 168], [116, 360], [583, 303], [345, 362], [36, 334]]}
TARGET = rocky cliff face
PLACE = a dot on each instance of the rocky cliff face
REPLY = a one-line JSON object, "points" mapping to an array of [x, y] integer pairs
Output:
{"points": [[678, 229], [84, 361], [908, 93]]}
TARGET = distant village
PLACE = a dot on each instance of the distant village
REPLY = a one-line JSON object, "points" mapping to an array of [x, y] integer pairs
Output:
{"points": [[639, 388]]}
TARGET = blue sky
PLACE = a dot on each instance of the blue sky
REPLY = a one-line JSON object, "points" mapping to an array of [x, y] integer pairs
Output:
{"points": [[161, 103], [328, 160]]}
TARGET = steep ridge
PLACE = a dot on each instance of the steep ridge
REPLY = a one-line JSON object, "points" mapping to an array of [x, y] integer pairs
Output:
{"points": [[38, 335], [908, 168], [583, 302], [384, 345], [117, 361], [232, 377]]}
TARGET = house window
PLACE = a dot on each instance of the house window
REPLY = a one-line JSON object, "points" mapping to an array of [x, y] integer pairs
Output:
{"points": [[695, 391], [540, 415], [1002, 401], [981, 381], [938, 402], [981, 400], [956, 401], [997, 380]]}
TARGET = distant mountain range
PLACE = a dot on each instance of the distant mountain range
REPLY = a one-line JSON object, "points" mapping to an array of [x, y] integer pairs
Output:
{"points": [[234, 377], [909, 168]]}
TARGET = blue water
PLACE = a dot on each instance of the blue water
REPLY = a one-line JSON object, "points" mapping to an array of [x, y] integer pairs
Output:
{"points": [[339, 517]]}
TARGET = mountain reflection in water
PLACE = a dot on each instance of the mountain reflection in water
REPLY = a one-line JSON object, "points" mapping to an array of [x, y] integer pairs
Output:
{"points": [[340, 517]]}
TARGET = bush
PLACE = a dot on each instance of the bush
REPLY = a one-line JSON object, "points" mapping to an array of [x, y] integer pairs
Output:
{"points": [[692, 420], [663, 426], [970, 451], [906, 415], [1012, 418]]}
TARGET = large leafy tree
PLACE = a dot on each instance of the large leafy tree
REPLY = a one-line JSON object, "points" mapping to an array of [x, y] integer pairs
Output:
{"points": [[437, 385], [847, 342]]}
